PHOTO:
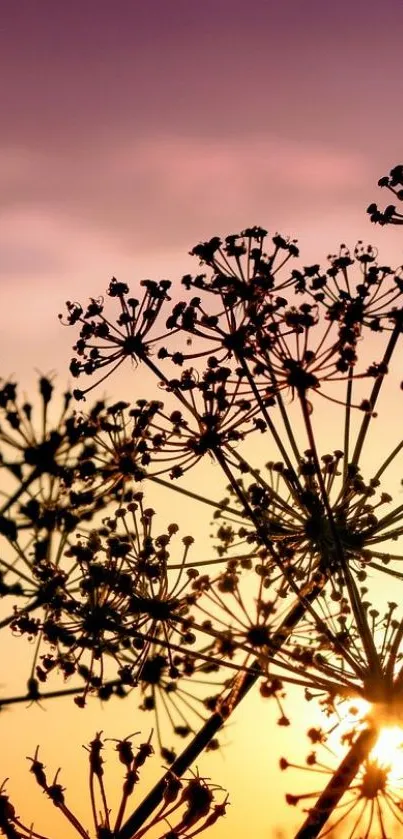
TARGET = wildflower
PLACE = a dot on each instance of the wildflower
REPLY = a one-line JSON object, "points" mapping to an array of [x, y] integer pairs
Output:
{"points": [[189, 806], [309, 532], [40, 451], [104, 345], [295, 519], [244, 616], [371, 805], [218, 416], [125, 601], [240, 266], [36, 450], [297, 353], [117, 449], [174, 689], [354, 302], [394, 183], [340, 653], [243, 278]]}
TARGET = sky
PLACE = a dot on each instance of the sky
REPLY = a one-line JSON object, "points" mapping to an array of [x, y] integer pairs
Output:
{"points": [[130, 131]]}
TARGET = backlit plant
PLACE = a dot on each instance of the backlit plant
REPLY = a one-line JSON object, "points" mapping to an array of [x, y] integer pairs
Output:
{"points": [[251, 356]]}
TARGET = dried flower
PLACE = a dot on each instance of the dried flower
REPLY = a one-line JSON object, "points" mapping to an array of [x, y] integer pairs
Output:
{"points": [[394, 183], [104, 345], [189, 807]]}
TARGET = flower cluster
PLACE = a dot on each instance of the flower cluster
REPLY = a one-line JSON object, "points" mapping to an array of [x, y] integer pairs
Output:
{"points": [[188, 807], [104, 345], [41, 448], [302, 537], [372, 805], [394, 183], [260, 342], [126, 597]]}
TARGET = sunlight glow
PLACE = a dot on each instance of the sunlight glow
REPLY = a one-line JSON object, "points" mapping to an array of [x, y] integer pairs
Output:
{"points": [[388, 751]]}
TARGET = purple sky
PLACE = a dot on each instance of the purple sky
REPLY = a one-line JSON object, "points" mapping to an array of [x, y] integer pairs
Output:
{"points": [[155, 124], [132, 130]]}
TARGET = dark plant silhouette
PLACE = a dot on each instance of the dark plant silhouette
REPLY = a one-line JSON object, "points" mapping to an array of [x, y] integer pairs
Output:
{"points": [[187, 809], [246, 356], [394, 183]]}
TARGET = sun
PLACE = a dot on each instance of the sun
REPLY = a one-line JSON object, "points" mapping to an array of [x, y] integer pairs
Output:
{"points": [[388, 751]]}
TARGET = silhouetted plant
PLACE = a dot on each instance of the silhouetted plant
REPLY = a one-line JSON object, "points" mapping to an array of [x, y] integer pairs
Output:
{"points": [[188, 807], [372, 805], [291, 593], [394, 183]]}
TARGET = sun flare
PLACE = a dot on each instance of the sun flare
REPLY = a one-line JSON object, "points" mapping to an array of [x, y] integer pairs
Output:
{"points": [[388, 751]]}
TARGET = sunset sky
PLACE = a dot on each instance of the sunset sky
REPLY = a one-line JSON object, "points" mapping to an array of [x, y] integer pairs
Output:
{"points": [[132, 130]]}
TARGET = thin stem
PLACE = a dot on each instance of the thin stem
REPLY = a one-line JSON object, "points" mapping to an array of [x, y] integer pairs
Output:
{"points": [[347, 424], [375, 393], [338, 785], [52, 694], [272, 427], [388, 460], [201, 740], [176, 488], [22, 486]]}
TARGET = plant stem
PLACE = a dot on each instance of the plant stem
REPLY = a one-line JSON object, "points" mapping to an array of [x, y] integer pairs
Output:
{"points": [[218, 718], [182, 763], [338, 785], [375, 393], [20, 489], [50, 694]]}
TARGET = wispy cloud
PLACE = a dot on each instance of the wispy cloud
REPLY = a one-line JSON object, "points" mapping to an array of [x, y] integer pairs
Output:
{"points": [[164, 191]]}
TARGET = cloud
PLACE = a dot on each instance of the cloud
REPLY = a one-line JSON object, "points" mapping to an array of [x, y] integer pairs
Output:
{"points": [[167, 191], [68, 222]]}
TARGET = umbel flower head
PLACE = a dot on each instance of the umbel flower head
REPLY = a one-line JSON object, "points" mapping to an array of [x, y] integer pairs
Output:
{"points": [[181, 690], [188, 807], [104, 345], [371, 806], [299, 353], [295, 518], [244, 615], [394, 183], [130, 602], [355, 291], [219, 416], [243, 276], [41, 446], [346, 651], [37, 451], [117, 449], [241, 268]]}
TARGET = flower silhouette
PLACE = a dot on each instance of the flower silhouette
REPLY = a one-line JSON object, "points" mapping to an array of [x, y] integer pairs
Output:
{"points": [[104, 345], [189, 807], [394, 183]]}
